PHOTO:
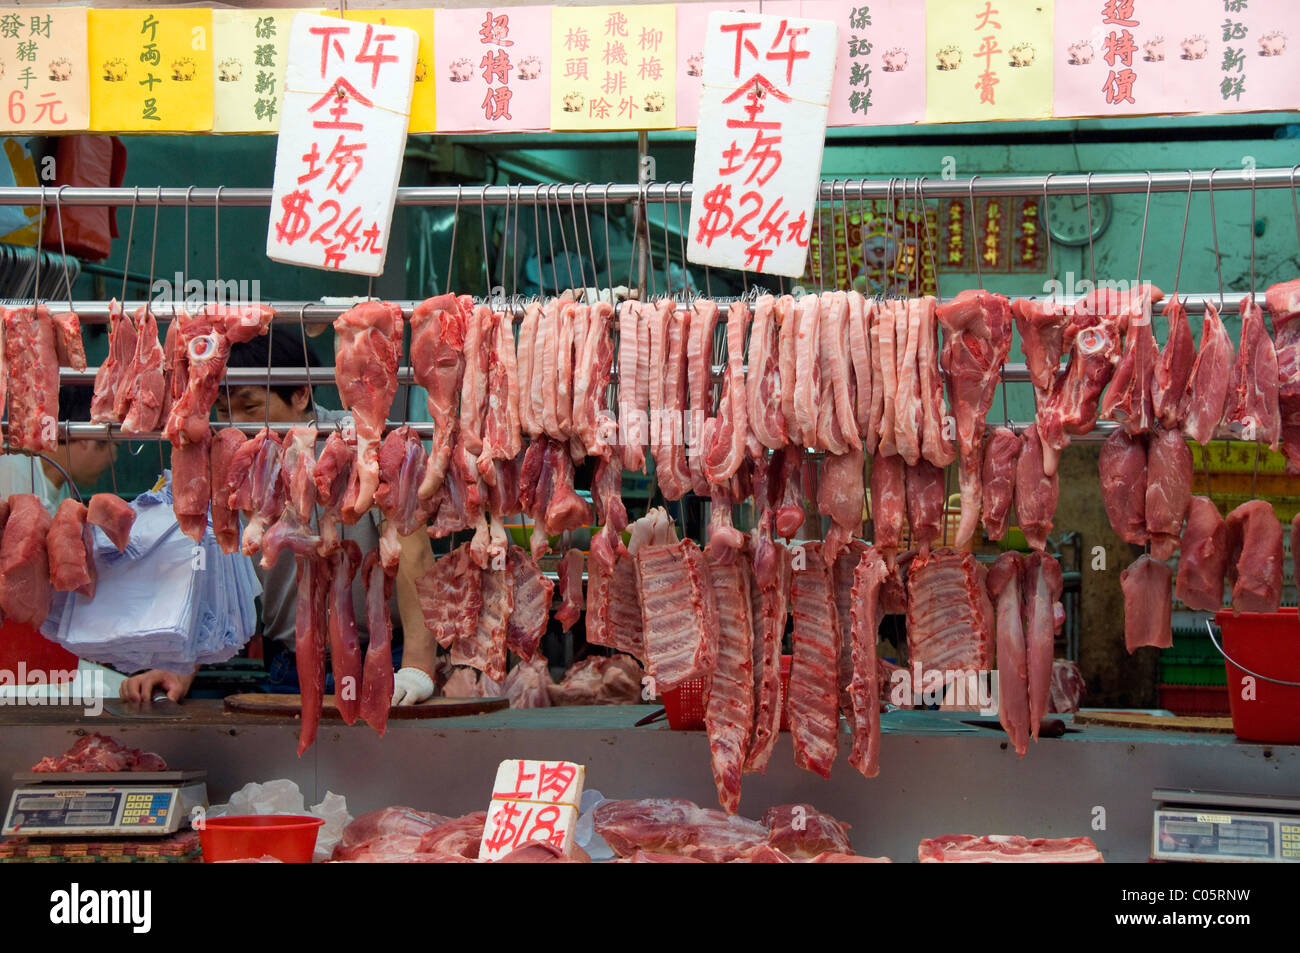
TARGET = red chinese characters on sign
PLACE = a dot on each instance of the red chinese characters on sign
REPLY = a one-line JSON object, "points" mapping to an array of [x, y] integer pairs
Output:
{"points": [[322, 209], [549, 782], [738, 206], [495, 66], [988, 80], [1118, 48], [514, 824]]}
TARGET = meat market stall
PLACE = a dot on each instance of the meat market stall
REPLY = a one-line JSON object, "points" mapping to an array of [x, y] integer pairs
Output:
{"points": [[882, 382], [846, 576], [1094, 781]]}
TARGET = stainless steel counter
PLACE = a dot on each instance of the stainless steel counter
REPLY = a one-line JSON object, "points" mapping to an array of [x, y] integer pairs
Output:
{"points": [[938, 775]]}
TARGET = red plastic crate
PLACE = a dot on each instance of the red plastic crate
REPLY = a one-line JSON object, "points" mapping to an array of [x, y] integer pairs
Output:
{"points": [[1204, 701], [685, 703]]}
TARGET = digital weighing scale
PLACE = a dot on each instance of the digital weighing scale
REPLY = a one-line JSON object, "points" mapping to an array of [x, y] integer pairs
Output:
{"points": [[1218, 826], [97, 804]]}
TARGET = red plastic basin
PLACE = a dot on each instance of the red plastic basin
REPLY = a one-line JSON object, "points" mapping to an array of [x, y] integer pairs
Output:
{"points": [[287, 837], [1268, 644]]}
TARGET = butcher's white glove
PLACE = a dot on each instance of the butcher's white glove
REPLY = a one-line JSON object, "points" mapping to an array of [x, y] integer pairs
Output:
{"points": [[411, 686]]}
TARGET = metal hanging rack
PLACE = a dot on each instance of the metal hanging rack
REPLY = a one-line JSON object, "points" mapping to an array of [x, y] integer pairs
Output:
{"points": [[624, 194], [304, 313]]}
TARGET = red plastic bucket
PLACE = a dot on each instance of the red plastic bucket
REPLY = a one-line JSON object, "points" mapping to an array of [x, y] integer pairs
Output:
{"points": [[287, 837], [1264, 648]]}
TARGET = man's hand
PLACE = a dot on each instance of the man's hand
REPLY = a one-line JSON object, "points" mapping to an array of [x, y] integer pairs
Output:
{"points": [[411, 686], [142, 688]]}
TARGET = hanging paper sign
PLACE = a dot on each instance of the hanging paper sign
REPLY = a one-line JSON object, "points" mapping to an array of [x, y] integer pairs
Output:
{"points": [[43, 81], [493, 69], [988, 60], [424, 114], [613, 67], [249, 49], [346, 103], [1126, 57], [692, 18], [150, 70], [881, 63], [758, 149], [532, 801]]}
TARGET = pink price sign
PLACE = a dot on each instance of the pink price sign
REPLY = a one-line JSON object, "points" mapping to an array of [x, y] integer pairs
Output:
{"points": [[493, 69]]}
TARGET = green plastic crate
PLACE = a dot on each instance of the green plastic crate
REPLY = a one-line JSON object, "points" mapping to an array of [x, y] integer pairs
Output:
{"points": [[1176, 672]]}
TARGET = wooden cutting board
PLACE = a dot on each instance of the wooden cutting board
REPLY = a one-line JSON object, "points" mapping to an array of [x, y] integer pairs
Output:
{"points": [[1156, 722], [291, 705]]}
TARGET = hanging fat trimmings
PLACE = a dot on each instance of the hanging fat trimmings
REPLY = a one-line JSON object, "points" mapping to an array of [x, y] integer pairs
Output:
{"points": [[347, 103]]}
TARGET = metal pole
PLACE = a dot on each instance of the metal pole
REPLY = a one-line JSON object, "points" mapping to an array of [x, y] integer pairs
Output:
{"points": [[626, 194], [315, 314], [644, 166]]}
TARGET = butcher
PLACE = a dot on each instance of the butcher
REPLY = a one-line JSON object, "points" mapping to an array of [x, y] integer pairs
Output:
{"points": [[414, 647]]}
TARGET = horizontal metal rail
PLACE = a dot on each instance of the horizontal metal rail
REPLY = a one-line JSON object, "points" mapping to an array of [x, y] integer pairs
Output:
{"points": [[623, 194], [73, 430], [316, 314], [289, 376]]}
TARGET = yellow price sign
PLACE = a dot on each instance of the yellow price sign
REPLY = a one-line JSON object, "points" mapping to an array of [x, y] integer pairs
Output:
{"points": [[150, 70]]}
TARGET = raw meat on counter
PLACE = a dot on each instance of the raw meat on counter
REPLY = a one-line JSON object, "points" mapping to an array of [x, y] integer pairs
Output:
{"points": [[405, 835], [96, 753], [1004, 849], [595, 680], [677, 828]]}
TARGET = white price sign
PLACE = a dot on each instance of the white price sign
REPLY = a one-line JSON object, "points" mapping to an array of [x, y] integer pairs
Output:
{"points": [[347, 102], [758, 145], [532, 801]]}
